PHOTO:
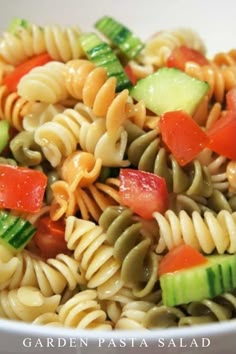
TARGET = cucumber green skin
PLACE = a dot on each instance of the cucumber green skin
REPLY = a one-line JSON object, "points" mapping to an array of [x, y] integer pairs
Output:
{"points": [[15, 232], [4, 134], [120, 36], [101, 54], [170, 89], [16, 23], [215, 277]]}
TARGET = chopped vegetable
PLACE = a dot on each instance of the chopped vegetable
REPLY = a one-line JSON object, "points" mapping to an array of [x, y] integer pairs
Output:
{"points": [[21, 188], [121, 36], [180, 257], [12, 79], [130, 74], [182, 135], [143, 192], [4, 134], [15, 232], [222, 135], [16, 23], [170, 89], [212, 276], [181, 55], [50, 237], [101, 54]]}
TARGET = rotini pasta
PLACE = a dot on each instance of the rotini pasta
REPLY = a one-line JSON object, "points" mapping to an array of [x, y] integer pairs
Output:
{"points": [[13, 107], [102, 229], [44, 83], [205, 233], [26, 303], [159, 46], [62, 43], [219, 79], [83, 311]]}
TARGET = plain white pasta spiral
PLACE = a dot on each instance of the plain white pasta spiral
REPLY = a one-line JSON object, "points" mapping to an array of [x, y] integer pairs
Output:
{"points": [[133, 314], [26, 303], [39, 114], [48, 319], [205, 233], [16, 48], [83, 311], [8, 265], [101, 269], [59, 137], [44, 83], [61, 43], [32, 271], [159, 46]]}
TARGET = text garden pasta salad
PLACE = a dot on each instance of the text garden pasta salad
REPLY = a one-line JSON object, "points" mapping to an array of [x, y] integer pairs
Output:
{"points": [[117, 178]]}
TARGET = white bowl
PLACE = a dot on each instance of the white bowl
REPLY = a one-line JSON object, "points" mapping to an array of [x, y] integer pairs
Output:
{"points": [[215, 23]]}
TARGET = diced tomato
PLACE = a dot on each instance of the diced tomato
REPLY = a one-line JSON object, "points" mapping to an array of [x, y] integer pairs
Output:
{"points": [[12, 79], [130, 74], [181, 55], [21, 188], [50, 237], [143, 192], [182, 135], [180, 257], [222, 135], [231, 99]]}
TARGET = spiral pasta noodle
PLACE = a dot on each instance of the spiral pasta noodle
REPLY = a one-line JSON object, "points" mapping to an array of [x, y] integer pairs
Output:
{"points": [[49, 278], [83, 311], [39, 114], [86, 82], [219, 79], [13, 107], [130, 248], [26, 303], [102, 270], [205, 233], [44, 83], [159, 46], [25, 150], [225, 58], [62, 43]]}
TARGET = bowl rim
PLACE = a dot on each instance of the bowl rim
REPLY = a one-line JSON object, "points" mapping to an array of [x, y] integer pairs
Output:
{"points": [[188, 332]]}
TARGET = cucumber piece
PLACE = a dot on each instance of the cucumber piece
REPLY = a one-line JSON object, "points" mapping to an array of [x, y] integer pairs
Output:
{"points": [[121, 36], [4, 134], [101, 54], [206, 281], [170, 89], [15, 232], [16, 23]]}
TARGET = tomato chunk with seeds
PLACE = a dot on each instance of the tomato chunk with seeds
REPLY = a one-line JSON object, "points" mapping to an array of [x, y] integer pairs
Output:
{"points": [[143, 192], [21, 188]]}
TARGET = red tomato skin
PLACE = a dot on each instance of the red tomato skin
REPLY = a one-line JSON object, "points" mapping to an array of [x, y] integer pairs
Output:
{"points": [[222, 135], [143, 192], [130, 74], [50, 237], [21, 188], [181, 55], [12, 79], [182, 135], [179, 258], [231, 99]]}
